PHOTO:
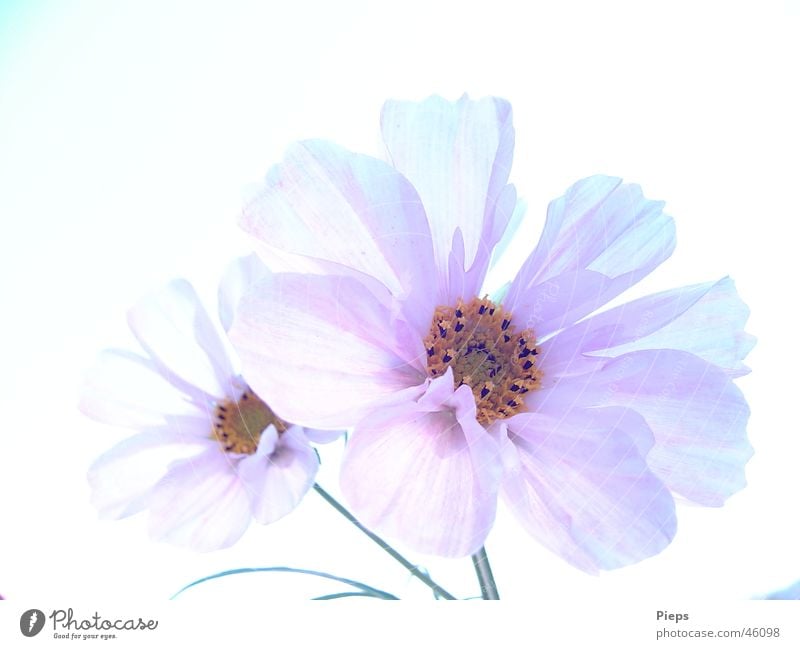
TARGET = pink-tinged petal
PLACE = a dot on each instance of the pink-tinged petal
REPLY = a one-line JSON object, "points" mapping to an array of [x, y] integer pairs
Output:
{"points": [[583, 489], [603, 225], [125, 389], [240, 274], [427, 478], [200, 503], [327, 203], [557, 302], [599, 225], [458, 156], [323, 349], [322, 436], [487, 252], [515, 220], [176, 331], [122, 478], [697, 415], [276, 480], [438, 392], [712, 327], [572, 350]]}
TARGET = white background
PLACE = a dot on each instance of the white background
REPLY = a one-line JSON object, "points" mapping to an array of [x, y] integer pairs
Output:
{"points": [[128, 132]]}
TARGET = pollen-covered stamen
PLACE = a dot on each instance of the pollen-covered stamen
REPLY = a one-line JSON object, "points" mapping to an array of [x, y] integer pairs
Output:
{"points": [[238, 425], [478, 342]]}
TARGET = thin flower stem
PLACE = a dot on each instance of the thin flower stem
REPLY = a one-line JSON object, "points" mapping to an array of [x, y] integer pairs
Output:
{"points": [[416, 572], [484, 571]]}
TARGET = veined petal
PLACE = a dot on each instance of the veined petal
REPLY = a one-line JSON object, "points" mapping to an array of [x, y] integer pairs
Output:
{"points": [[503, 233], [427, 478], [697, 415], [584, 490], [200, 503], [711, 327], [458, 157], [324, 349], [602, 226], [557, 302], [125, 389], [705, 319], [353, 210], [240, 274], [122, 477], [489, 249], [177, 333], [276, 481]]}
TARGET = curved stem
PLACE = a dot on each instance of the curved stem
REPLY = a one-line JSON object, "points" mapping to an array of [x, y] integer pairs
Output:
{"points": [[367, 591], [416, 572], [485, 578]]}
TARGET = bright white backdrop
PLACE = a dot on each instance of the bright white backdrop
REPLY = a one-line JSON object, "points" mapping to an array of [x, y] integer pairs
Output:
{"points": [[129, 130]]}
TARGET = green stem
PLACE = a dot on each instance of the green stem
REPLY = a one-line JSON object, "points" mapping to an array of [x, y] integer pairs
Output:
{"points": [[416, 572], [485, 578]]}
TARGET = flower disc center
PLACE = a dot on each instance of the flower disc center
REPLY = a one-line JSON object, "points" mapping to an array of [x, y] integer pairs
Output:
{"points": [[238, 425], [478, 342]]}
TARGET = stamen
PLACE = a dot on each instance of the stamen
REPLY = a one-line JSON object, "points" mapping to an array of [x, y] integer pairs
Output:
{"points": [[238, 425], [478, 341]]}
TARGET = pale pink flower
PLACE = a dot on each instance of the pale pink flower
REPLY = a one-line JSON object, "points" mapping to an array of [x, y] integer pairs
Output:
{"points": [[585, 424], [210, 454]]}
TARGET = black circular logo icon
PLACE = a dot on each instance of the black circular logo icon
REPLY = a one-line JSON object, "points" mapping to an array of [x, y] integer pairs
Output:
{"points": [[31, 622]]}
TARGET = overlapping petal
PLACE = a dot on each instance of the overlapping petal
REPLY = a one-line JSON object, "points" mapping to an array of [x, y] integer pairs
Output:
{"points": [[172, 326], [711, 328], [200, 503], [238, 277], [582, 487], [352, 210], [599, 226], [458, 157], [426, 473], [324, 348], [125, 389], [121, 478], [279, 474], [697, 415], [704, 319]]}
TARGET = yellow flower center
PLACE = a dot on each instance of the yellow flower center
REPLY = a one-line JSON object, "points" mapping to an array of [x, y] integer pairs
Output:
{"points": [[238, 425], [479, 343]]}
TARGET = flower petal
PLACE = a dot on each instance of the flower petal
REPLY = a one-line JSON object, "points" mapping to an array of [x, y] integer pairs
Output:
{"points": [[322, 436], [353, 210], [488, 251], [458, 157], [519, 212], [603, 226], [323, 349], [712, 327], [277, 481], [558, 302], [626, 323], [200, 503], [697, 415], [125, 389], [122, 477], [240, 274], [583, 489], [177, 333], [429, 479]]}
